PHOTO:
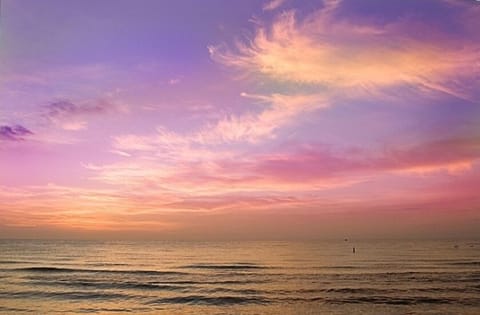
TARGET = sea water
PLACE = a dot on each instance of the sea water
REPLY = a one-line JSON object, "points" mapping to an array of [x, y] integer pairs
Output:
{"points": [[160, 277]]}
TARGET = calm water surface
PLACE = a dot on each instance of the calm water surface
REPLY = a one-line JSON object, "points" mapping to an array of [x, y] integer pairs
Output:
{"points": [[83, 277]]}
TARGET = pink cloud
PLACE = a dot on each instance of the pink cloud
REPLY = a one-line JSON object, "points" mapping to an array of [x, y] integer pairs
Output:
{"points": [[338, 53]]}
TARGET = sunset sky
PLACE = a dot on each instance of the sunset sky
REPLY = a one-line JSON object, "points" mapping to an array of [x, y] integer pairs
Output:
{"points": [[242, 119]]}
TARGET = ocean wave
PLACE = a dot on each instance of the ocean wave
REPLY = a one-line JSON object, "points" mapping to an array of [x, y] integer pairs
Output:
{"points": [[403, 300], [13, 262], [112, 285], [209, 300], [106, 310], [236, 266], [75, 270], [231, 290], [216, 282], [14, 310], [369, 291], [74, 295], [417, 276], [47, 279], [465, 263], [106, 264]]}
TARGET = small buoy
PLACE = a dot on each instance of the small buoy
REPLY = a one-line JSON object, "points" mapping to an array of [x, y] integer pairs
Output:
{"points": [[353, 250], [345, 240]]}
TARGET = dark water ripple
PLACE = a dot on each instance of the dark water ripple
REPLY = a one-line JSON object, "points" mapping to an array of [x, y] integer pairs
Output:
{"points": [[109, 285], [208, 300], [76, 295], [70, 270], [237, 266], [14, 310], [404, 300]]}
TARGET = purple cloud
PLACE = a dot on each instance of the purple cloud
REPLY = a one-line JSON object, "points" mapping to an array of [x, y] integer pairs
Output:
{"points": [[73, 116], [14, 132], [65, 107]]}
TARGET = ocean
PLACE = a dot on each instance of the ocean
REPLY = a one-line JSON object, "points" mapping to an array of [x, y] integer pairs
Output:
{"points": [[324, 277]]}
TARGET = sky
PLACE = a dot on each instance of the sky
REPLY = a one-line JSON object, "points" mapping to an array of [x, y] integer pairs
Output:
{"points": [[213, 119]]}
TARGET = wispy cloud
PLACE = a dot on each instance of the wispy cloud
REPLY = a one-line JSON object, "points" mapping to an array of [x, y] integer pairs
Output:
{"points": [[294, 168], [339, 53], [273, 4], [281, 110], [73, 116], [276, 112], [14, 132], [174, 81]]}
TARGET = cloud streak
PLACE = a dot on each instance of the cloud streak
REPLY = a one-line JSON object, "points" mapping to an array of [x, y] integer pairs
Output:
{"points": [[251, 128], [273, 4], [73, 116], [14, 133]]}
